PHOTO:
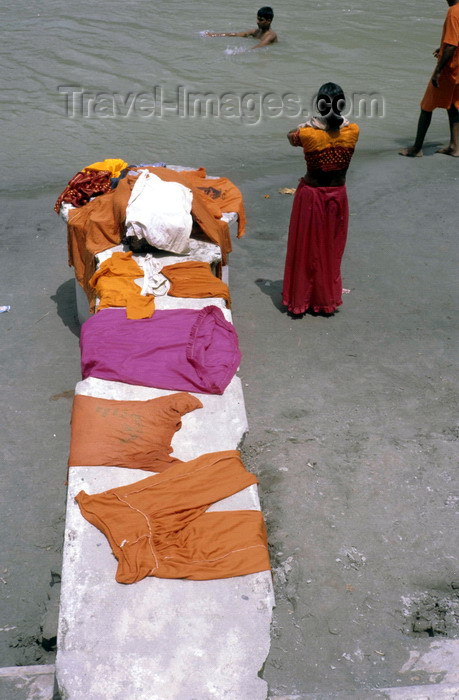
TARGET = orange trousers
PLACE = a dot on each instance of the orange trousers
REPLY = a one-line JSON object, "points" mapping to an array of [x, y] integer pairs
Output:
{"points": [[159, 526]]}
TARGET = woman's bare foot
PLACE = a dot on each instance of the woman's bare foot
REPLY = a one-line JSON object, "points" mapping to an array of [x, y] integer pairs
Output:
{"points": [[448, 151], [411, 152]]}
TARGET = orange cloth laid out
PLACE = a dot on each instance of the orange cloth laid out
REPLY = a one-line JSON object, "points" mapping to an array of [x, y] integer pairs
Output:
{"points": [[95, 227], [114, 285], [100, 224], [195, 279], [133, 434], [114, 165], [226, 198], [447, 92], [158, 526]]}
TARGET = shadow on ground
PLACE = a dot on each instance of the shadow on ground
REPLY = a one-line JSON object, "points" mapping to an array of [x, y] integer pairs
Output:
{"points": [[273, 289], [429, 148], [66, 306]]}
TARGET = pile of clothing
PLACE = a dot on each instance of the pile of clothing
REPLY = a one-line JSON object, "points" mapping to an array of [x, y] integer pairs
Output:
{"points": [[158, 526], [149, 207]]}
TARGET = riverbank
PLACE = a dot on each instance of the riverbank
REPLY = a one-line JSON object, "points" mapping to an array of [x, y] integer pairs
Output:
{"points": [[350, 422]]}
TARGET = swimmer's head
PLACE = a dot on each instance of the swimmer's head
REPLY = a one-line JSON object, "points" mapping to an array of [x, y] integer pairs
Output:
{"points": [[331, 102], [264, 17]]}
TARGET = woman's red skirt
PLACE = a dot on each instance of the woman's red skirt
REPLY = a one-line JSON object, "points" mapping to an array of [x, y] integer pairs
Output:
{"points": [[316, 240]]}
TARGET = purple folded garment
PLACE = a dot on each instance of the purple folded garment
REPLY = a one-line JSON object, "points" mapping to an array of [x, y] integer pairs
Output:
{"points": [[180, 350]]}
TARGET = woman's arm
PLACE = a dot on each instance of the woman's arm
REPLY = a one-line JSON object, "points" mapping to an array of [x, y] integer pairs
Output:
{"points": [[294, 137]]}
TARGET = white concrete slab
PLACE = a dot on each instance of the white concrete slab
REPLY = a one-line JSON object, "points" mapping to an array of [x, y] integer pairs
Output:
{"points": [[442, 691], [160, 639], [27, 683]]}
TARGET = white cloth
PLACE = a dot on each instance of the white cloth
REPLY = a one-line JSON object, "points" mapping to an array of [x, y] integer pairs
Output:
{"points": [[153, 282], [160, 213]]}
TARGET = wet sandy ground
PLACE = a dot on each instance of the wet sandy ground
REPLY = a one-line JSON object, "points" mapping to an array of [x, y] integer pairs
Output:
{"points": [[353, 430], [351, 420]]}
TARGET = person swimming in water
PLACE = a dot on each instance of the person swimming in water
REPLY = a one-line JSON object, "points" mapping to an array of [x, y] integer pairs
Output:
{"points": [[263, 33]]}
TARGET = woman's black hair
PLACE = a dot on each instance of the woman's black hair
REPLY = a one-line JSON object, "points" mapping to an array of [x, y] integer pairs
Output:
{"points": [[330, 103]]}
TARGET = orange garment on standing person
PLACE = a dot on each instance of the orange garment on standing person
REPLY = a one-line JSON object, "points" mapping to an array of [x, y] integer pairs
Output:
{"points": [[159, 526], [195, 279], [115, 286], [446, 94]]}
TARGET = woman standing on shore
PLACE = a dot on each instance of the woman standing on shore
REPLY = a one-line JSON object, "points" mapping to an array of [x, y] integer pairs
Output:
{"points": [[319, 219]]}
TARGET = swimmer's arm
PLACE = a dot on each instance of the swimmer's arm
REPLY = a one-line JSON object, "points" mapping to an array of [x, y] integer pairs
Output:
{"points": [[244, 34], [269, 38], [447, 55]]}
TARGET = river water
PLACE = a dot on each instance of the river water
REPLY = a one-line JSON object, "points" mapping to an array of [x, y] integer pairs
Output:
{"points": [[86, 81]]}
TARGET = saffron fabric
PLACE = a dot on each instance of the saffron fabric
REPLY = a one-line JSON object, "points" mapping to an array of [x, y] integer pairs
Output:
{"points": [[316, 241], [227, 197], [447, 93], [95, 227], [444, 96], [450, 36], [115, 166], [114, 285], [326, 151], [133, 434], [195, 279], [180, 350], [100, 224], [159, 526]]}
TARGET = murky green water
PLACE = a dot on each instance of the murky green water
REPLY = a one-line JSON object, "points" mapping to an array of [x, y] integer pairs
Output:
{"points": [[122, 49]]}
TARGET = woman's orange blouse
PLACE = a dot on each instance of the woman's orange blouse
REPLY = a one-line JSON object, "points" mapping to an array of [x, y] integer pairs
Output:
{"points": [[326, 151]]}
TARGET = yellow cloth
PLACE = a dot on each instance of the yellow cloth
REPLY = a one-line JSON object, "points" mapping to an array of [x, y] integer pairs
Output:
{"points": [[115, 286], [113, 165]]}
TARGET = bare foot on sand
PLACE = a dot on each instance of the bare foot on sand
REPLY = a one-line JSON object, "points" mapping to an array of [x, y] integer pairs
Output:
{"points": [[410, 152], [448, 151]]}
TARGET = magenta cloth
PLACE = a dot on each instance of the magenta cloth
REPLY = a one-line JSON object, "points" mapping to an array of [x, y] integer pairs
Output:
{"points": [[181, 350]]}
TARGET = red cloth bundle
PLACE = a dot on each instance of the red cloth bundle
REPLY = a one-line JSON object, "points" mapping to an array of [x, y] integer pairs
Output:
{"points": [[83, 186]]}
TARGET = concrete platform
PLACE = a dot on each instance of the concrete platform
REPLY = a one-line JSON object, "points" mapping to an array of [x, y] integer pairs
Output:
{"points": [[161, 639], [27, 683]]}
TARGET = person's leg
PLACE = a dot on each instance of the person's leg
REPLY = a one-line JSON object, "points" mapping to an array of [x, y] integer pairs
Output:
{"points": [[423, 124], [453, 148]]}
